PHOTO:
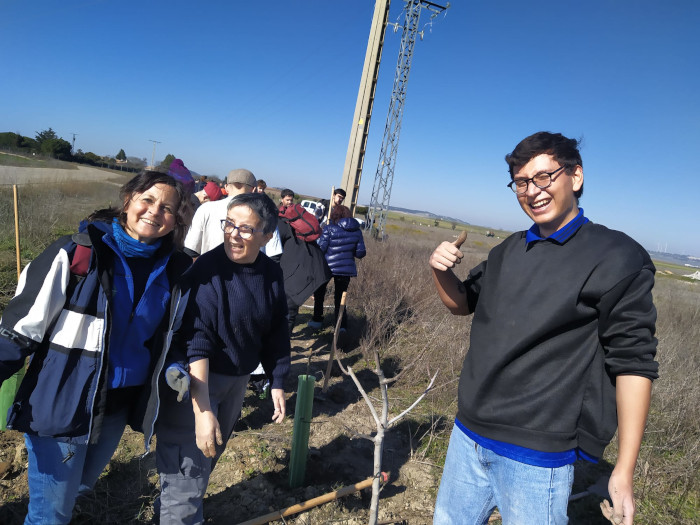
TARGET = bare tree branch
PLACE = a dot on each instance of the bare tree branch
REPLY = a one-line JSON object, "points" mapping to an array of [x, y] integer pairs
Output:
{"points": [[425, 392], [351, 373], [354, 434]]}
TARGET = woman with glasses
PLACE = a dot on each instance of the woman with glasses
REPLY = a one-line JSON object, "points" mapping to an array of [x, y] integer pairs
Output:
{"points": [[235, 319], [90, 311]]}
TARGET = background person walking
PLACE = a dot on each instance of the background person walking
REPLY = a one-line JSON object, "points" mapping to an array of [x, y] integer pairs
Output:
{"points": [[341, 243]]}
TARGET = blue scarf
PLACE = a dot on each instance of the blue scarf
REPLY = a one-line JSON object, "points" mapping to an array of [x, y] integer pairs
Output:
{"points": [[129, 246]]}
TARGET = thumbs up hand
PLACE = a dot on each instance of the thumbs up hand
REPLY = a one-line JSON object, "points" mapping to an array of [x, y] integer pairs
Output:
{"points": [[447, 255]]}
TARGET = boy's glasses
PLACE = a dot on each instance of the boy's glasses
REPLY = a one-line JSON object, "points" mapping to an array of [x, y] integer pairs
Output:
{"points": [[541, 180]]}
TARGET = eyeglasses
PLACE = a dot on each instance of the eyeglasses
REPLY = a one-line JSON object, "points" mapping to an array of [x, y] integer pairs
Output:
{"points": [[541, 180], [246, 232]]}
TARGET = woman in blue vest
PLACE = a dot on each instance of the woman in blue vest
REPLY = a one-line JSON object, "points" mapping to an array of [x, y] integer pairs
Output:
{"points": [[93, 312], [342, 243]]}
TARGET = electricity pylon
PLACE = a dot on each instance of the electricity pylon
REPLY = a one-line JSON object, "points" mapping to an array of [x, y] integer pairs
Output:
{"points": [[384, 178]]}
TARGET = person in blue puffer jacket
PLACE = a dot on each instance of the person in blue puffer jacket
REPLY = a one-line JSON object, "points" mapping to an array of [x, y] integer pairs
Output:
{"points": [[341, 242]]}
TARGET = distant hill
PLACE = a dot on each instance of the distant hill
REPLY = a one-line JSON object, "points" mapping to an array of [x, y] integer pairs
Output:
{"points": [[426, 214], [676, 258]]}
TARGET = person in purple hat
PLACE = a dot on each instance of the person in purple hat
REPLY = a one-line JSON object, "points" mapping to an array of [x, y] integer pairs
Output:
{"points": [[180, 173]]}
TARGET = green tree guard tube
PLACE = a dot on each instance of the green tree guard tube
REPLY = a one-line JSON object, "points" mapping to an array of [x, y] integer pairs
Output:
{"points": [[300, 435], [8, 391]]}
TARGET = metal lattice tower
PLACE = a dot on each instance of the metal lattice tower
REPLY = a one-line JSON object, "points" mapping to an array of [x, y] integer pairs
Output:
{"points": [[384, 178]]}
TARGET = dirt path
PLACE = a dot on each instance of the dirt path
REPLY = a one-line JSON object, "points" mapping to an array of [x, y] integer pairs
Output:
{"points": [[251, 478]]}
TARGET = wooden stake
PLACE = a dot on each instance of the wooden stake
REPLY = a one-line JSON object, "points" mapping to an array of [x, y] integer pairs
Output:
{"points": [[330, 205], [335, 342], [19, 263], [309, 504]]}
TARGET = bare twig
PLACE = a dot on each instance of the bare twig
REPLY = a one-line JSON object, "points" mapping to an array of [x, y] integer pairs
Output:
{"points": [[356, 435], [351, 373], [402, 414]]}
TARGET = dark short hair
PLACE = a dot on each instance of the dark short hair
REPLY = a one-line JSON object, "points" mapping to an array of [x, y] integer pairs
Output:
{"points": [[340, 212], [261, 205], [564, 150], [340, 191], [262, 183], [286, 193], [141, 183]]}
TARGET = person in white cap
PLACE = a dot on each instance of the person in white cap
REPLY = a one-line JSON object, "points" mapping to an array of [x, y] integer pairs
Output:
{"points": [[205, 232]]}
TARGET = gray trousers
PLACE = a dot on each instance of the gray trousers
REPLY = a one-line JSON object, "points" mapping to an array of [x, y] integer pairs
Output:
{"points": [[183, 469]]}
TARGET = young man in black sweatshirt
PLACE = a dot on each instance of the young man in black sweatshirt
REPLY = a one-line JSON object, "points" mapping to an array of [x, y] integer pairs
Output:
{"points": [[561, 351]]}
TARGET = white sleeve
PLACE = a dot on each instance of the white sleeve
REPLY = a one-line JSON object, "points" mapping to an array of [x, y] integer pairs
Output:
{"points": [[40, 300], [274, 245], [193, 240]]}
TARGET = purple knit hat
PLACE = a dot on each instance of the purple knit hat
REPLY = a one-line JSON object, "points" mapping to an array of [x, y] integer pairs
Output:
{"points": [[180, 173]]}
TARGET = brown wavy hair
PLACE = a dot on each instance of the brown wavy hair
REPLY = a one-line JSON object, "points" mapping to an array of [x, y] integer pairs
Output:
{"points": [[340, 212], [139, 184]]}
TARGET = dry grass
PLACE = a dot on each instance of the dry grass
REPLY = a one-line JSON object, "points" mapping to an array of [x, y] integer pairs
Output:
{"points": [[46, 211], [669, 463], [22, 161]]}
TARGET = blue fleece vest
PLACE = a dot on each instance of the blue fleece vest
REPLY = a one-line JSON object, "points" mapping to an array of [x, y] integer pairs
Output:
{"points": [[134, 324]]}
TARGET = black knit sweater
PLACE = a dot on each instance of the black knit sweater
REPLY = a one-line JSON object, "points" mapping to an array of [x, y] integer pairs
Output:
{"points": [[554, 324], [237, 316]]}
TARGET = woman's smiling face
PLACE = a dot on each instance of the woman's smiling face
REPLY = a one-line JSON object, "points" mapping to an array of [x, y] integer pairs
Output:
{"points": [[152, 214]]}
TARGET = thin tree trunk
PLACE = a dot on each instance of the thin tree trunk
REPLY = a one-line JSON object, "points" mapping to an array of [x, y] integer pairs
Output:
{"points": [[379, 440]]}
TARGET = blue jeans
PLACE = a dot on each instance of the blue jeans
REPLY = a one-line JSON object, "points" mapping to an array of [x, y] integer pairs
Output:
{"points": [[58, 471], [475, 481]]}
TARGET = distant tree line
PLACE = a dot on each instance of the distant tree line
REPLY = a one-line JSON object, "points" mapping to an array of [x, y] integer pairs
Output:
{"points": [[48, 144]]}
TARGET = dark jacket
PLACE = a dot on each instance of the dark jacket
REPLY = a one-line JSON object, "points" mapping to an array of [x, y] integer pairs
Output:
{"points": [[63, 322], [554, 325], [237, 316], [342, 243], [303, 265]]}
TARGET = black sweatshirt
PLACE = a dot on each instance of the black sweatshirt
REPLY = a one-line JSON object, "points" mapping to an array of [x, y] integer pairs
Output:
{"points": [[237, 316], [554, 324]]}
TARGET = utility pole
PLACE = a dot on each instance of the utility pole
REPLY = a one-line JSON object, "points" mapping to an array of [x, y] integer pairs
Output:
{"points": [[153, 155], [384, 178], [72, 149], [354, 160]]}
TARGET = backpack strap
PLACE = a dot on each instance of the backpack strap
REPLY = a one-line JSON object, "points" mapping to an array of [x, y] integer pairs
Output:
{"points": [[80, 263]]}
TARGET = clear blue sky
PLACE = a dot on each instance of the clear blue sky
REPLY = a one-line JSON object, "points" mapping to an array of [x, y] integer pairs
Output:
{"points": [[271, 86]]}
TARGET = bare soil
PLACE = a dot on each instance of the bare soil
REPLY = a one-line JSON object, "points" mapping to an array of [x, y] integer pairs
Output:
{"points": [[251, 478]]}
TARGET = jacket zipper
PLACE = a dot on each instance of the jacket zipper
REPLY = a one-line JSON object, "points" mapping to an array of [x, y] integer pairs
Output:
{"points": [[99, 373], [171, 322]]}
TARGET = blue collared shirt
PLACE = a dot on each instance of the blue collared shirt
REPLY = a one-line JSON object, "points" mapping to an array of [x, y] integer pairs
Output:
{"points": [[523, 454], [562, 234]]}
